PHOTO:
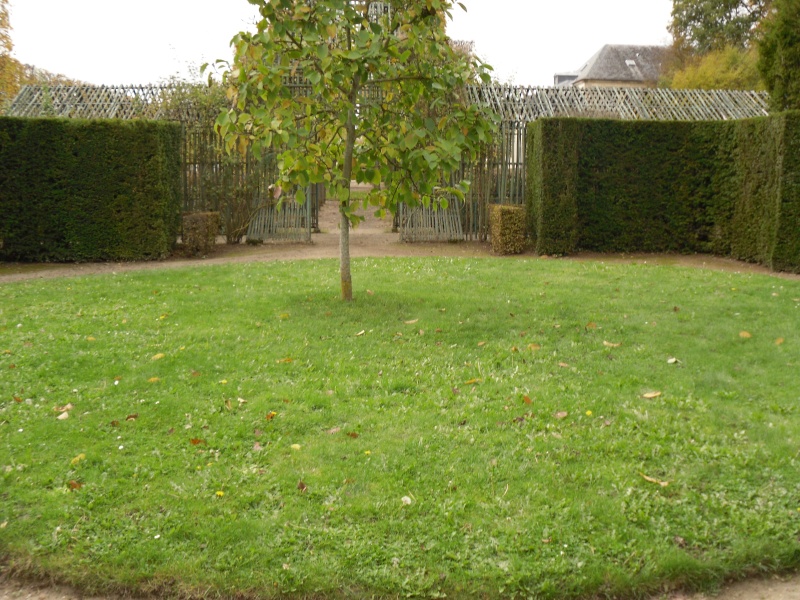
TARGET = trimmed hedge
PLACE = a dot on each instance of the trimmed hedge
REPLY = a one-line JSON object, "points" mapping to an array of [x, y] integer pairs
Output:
{"points": [[507, 225], [200, 232], [73, 190], [728, 188]]}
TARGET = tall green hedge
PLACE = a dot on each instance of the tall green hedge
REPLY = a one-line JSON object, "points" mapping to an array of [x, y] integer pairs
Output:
{"points": [[73, 190], [730, 188]]}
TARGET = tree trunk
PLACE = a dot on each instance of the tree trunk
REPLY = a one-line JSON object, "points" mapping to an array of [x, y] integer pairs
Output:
{"points": [[344, 257], [344, 206]]}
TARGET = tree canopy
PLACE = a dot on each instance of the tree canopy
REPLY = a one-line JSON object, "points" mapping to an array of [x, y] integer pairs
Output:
{"points": [[780, 55], [706, 25], [356, 90]]}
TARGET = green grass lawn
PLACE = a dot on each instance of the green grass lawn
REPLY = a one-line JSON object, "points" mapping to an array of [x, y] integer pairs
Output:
{"points": [[469, 427]]}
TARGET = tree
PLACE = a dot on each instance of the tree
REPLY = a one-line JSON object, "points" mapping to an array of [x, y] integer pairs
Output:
{"points": [[9, 68], [356, 90], [727, 69], [780, 55], [702, 26]]}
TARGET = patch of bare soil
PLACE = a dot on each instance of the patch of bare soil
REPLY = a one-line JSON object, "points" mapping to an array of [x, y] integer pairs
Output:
{"points": [[374, 238]]}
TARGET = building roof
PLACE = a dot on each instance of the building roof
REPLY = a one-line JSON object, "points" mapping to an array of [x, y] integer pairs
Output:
{"points": [[624, 63]]}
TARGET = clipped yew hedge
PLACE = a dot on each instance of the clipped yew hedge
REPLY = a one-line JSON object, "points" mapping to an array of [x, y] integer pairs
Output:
{"points": [[729, 188], [73, 190]]}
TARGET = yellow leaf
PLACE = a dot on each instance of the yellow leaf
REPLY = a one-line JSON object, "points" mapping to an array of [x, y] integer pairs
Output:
{"points": [[296, 446], [611, 345], [412, 322], [651, 395], [481, 344], [220, 494], [285, 360], [223, 381], [91, 339], [534, 347], [563, 365], [158, 356], [77, 459], [591, 325], [779, 341], [228, 404], [473, 381], [653, 480], [745, 335], [361, 333]]}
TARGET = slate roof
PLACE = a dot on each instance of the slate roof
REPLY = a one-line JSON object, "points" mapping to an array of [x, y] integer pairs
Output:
{"points": [[624, 63]]}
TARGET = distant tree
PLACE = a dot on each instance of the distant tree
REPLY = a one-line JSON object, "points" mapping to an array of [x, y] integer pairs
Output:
{"points": [[384, 101], [9, 68], [702, 26], [780, 55], [727, 69]]}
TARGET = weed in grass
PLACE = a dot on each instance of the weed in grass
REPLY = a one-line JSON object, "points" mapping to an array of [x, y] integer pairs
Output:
{"points": [[470, 427]]}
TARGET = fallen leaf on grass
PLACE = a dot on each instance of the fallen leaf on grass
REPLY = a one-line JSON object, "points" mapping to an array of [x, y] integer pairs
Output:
{"points": [[406, 501], [561, 415], [473, 381], [65, 408], [302, 487], [63, 416], [591, 325], [228, 405], [197, 442], [779, 341], [4, 524], [563, 365], [534, 347], [333, 431], [611, 345], [17, 399], [132, 417], [284, 360], [361, 333], [353, 435], [115, 423], [651, 395], [672, 361], [679, 541], [481, 344], [370, 292], [745, 335], [158, 356], [411, 322], [271, 415], [74, 485], [154, 380], [257, 447], [77, 459], [196, 373], [527, 400], [654, 480], [296, 446]]}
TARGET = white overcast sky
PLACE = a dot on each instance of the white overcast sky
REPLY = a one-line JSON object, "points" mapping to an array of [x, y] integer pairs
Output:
{"points": [[147, 41]]}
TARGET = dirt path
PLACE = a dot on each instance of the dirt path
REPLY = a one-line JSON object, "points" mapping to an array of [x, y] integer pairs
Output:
{"points": [[373, 238]]}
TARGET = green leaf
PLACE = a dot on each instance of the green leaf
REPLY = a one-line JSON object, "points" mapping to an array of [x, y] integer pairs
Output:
{"points": [[300, 195]]}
